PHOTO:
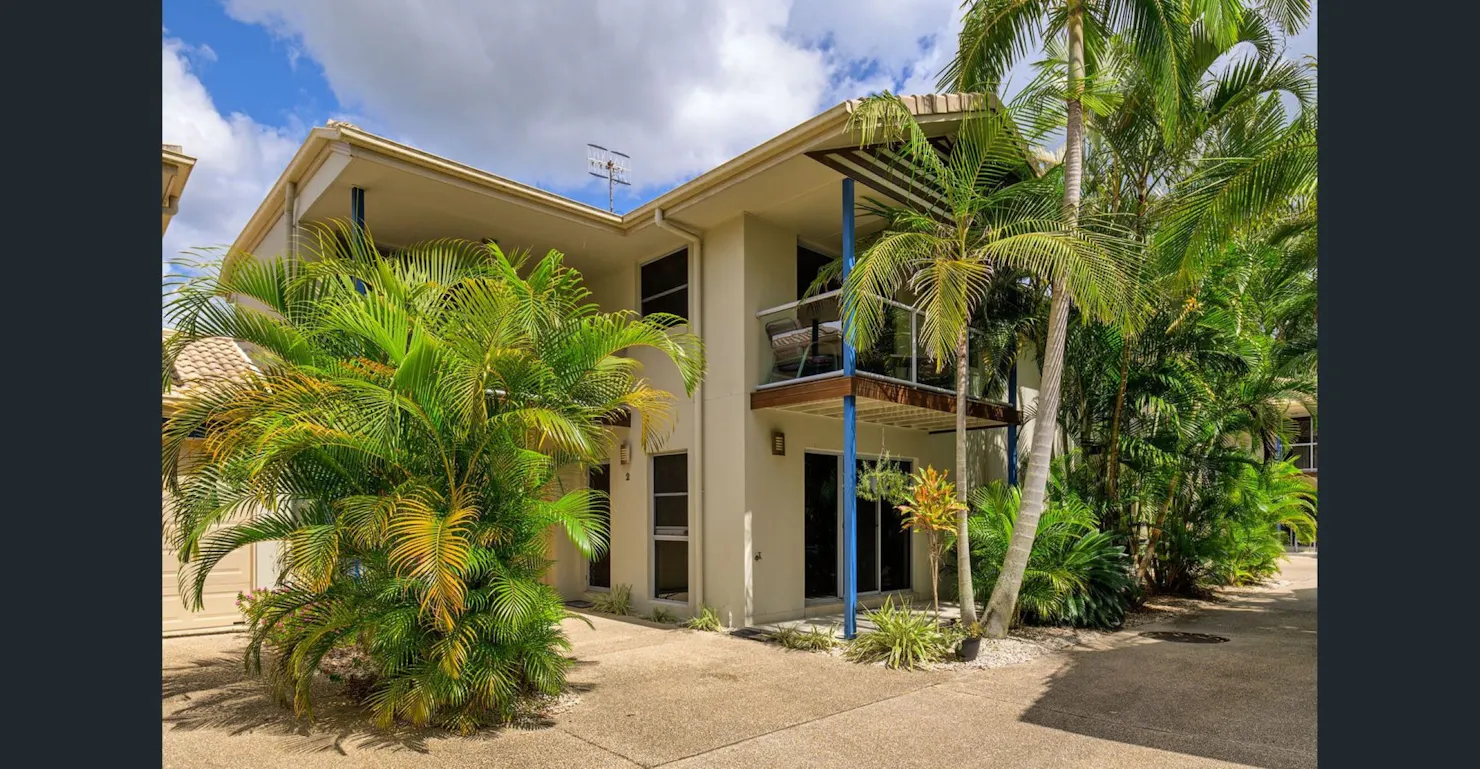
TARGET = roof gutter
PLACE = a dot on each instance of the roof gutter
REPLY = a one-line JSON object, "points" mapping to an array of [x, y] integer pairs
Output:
{"points": [[696, 472]]}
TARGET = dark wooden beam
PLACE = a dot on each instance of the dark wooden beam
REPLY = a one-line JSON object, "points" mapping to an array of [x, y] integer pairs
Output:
{"points": [[930, 399], [900, 188], [907, 178], [802, 392]]}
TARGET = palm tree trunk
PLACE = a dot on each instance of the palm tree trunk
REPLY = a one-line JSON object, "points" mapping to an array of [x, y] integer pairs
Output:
{"points": [[967, 597], [1010, 581], [935, 574], [1161, 521], [1112, 448]]}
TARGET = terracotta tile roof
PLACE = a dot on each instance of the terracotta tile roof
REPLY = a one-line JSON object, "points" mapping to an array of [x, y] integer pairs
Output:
{"points": [[204, 361]]}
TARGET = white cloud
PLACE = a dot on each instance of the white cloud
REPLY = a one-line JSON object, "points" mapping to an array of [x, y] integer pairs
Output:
{"points": [[520, 88], [237, 159]]}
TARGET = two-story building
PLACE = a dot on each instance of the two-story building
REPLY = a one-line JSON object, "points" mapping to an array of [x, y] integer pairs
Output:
{"points": [[741, 508]]}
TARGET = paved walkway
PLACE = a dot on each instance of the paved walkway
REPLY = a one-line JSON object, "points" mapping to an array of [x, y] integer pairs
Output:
{"points": [[652, 697]]}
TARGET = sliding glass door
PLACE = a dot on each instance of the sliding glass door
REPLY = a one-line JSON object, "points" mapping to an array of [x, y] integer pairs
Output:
{"points": [[883, 545]]}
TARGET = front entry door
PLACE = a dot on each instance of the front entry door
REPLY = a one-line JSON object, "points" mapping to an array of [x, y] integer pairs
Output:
{"points": [[601, 568], [883, 543]]}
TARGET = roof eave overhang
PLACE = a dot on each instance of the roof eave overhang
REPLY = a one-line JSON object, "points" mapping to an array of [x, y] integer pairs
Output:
{"points": [[809, 135]]}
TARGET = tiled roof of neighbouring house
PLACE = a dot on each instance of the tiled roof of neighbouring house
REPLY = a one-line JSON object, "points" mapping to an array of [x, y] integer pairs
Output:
{"points": [[204, 361]]}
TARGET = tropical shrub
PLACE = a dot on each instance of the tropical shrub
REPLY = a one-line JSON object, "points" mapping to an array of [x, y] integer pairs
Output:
{"points": [[901, 639], [1076, 573], [931, 509], [813, 639], [401, 442], [707, 620], [617, 600], [278, 633], [662, 616], [1249, 543]]}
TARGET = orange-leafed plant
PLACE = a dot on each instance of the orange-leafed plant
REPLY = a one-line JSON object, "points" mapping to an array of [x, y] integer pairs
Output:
{"points": [[931, 510]]}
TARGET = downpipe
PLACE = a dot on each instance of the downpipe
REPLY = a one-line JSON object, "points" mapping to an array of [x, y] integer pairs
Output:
{"points": [[696, 305]]}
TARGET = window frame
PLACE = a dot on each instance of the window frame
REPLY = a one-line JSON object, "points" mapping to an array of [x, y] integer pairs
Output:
{"points": [[915, 539], [643, 299], [1310, 447], [654, 537], [599, 588]]}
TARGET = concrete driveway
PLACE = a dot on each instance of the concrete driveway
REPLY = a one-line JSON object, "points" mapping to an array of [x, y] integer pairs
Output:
{"points": [[677, 698]]}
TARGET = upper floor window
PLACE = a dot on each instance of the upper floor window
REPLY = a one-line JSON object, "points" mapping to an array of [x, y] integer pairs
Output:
{"points": [[809, 265], [665, 285]]}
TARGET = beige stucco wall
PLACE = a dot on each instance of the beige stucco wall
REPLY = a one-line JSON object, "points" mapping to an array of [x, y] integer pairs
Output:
{"points": [[753, 525], [631, 525]]}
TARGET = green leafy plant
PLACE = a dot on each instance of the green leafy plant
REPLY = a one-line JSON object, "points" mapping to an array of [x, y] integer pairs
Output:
{"points": [[1249, 542], [812, 639], [901, 639], [973, 630], [662, 615], [931, 509], [400, 440], [707, 620], [1076, 574], [884, 479], [277, 633], [617, 600]]}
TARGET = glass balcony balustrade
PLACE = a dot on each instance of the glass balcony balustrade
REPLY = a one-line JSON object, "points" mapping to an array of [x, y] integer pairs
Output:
{"points": [[805, 339]]}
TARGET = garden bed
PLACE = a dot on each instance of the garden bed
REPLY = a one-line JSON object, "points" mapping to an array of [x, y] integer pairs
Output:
{"points": [[1028, 642]]}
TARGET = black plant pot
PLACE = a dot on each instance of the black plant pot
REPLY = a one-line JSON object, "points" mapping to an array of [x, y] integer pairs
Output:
{"points": [[969, 648]]}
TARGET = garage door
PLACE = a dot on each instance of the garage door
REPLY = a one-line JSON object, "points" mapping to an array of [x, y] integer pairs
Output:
{"points": [[231, 576]]}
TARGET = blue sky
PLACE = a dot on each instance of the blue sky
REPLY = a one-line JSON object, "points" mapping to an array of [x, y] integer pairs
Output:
{"points": [[519, 88]]}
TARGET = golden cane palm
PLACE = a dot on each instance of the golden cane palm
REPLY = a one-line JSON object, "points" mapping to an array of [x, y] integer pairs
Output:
{"points": [[402, 442], [1000, 215]]}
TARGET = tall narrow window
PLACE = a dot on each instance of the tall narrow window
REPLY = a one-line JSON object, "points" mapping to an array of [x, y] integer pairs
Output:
{"points": [[600, 480], [671, 527], [665, 285]]}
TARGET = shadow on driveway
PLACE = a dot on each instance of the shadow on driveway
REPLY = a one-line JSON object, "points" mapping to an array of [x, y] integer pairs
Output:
{"points": [[1251, 700], [210, 692]]}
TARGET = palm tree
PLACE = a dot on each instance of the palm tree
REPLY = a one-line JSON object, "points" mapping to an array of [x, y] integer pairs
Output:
{"points": [[995, 34], [402, 442], [1000, 215]]}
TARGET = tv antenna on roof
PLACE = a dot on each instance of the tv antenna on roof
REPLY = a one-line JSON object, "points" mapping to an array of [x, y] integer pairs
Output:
{"points": [[611, 166]]}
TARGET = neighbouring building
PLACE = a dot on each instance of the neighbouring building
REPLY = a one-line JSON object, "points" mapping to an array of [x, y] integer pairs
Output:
{"points": [[1304, 446], [177, 167], [200, 364], [741, 508]]}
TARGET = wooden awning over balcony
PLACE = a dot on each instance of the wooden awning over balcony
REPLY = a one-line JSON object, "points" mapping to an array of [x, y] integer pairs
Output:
{"points": [[885, 171], [883, 403]]}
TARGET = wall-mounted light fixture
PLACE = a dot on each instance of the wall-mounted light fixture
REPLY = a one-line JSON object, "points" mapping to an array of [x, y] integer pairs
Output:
{"points": [[624, 454], [778, 443]]}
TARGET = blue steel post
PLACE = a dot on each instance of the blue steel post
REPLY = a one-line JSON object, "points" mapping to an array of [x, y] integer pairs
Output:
{"points": [[850, 443], [1012, 430], [357, 219]]}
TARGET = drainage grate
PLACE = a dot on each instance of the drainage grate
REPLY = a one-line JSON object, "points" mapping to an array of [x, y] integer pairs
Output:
{"points": [[1177, 636], [578, 604], [750, 634]]}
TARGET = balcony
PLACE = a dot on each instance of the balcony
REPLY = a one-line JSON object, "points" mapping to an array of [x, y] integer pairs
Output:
{"points": [[898, 382]]}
